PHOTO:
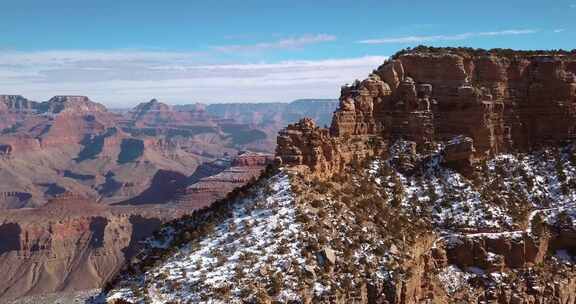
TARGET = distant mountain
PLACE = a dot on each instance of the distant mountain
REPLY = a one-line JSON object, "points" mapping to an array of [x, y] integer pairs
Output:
{"points": [[57, 104], [276, 113], [248, 120], [70, 136]]}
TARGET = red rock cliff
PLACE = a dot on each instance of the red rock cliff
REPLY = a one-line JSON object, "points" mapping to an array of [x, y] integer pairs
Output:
{"points": [[502, 100]]}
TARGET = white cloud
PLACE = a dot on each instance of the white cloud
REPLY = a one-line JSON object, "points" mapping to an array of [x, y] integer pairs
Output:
{"points": [[559, 30], [288, 43], [432, 38], [124, 78]]}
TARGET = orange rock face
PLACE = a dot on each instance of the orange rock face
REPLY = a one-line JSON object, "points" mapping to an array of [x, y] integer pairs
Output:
{"points": [[306, 144], [503, 102]]}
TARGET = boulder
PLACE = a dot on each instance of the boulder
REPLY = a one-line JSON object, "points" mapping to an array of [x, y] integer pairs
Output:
{"points": [[327, 256]]}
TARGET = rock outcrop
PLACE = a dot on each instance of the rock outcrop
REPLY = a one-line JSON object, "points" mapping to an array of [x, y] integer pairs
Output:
{"points": [[502, 101], [309, 147]]}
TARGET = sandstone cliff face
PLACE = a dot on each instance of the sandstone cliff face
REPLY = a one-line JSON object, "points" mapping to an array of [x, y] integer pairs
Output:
{"points": [[502, 102]]}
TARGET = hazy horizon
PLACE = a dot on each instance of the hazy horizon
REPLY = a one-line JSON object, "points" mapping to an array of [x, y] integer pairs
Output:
{"points": [[184, 103]]}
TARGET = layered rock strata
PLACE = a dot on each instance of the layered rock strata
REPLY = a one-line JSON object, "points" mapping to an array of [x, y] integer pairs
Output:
{"points": [[503, 101]]}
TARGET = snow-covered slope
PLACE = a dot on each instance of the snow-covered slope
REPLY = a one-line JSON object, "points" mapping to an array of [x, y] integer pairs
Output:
{"points": [[255, 244], [377, 229]]}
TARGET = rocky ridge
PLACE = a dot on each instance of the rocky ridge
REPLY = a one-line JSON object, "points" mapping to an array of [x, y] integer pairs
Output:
{"points": [[446, 176], [399, 229]]}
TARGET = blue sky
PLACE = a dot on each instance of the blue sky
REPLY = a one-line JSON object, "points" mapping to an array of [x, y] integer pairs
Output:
{"points": [[124, 52]]}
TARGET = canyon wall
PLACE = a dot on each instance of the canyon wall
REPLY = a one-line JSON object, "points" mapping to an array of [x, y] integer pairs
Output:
{"points": [[70, 244], [502, 101]]}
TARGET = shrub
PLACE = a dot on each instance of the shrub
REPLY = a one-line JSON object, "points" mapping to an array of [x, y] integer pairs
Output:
{"points": [[276, 283]]}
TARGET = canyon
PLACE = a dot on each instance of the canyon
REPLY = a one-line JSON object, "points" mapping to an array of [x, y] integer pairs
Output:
{"points": [[70, 143], [74, 244]]}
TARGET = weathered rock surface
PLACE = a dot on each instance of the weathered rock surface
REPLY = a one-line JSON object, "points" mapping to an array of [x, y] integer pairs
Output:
{"points": [[503, 102]]}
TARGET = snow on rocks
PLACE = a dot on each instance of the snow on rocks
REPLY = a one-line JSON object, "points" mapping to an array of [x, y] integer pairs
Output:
{"points": [[544, 181], [256, 243], [547, 178], [511, 191], [452, 200], [453, 278]]}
